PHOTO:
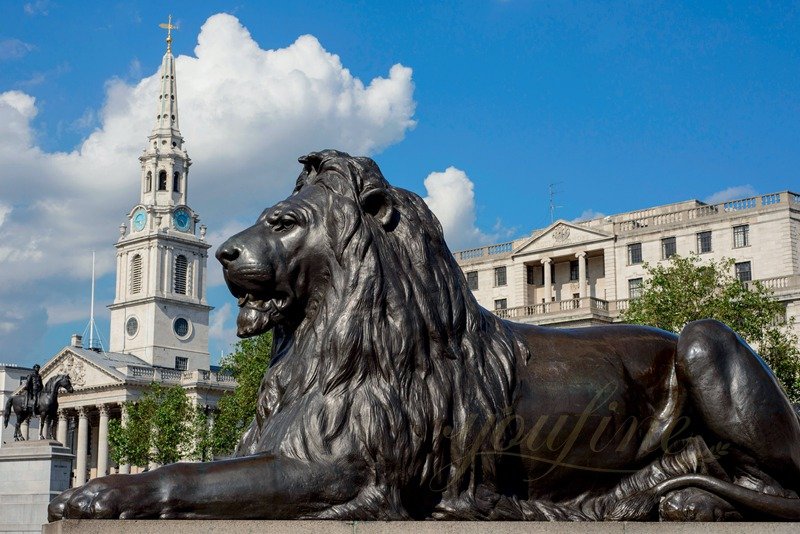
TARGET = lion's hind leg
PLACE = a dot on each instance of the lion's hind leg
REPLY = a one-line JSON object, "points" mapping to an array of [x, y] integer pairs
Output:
{"points": [[738, 401]]}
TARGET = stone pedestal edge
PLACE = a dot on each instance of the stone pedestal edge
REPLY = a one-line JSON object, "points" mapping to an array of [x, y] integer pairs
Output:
{"points": [[74, 526]]}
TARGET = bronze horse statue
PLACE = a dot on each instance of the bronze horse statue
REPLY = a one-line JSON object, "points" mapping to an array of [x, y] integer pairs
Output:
{"points": [[47, 406]]}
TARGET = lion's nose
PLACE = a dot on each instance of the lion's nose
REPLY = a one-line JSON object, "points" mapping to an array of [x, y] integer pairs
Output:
{"points": [[227, 253]]}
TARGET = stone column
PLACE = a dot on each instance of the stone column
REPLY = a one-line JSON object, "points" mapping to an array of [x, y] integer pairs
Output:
{"points": [[61, 435], [80, 449], [548, 282], [2, 426], [102, 442], [124, 468], [581, 273]]}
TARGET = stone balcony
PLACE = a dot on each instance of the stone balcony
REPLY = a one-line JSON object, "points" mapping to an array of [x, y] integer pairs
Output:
{"points": [[584, 311], [590, 310]]}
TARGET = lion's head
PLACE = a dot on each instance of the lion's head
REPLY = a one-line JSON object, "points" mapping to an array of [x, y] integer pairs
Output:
{"points": [[379, 343]]}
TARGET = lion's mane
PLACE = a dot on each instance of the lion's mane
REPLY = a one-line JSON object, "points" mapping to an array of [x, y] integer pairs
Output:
{"points": [[398, 361]]}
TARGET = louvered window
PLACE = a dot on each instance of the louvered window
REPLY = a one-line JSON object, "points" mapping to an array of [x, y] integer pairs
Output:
{"points": [[162, 181], [176, 182], [136, 274], [180, 274]]}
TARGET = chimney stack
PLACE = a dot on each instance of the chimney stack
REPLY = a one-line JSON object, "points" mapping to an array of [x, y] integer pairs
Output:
{"points": [[76, 341]]}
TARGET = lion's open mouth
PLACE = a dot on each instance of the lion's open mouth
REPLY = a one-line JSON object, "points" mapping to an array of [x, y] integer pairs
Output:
{"points": [[257, 316]]}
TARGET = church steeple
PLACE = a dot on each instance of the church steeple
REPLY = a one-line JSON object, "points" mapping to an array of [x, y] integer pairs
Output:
{"points": [[160, 311], [167, 116], [165, 163]]}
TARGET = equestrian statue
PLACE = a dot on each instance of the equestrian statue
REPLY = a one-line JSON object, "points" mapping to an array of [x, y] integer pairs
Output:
{"points": [[37, 401]]}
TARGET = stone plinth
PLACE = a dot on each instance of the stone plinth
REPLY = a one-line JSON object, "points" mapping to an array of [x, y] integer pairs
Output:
{"points": [[404, 527], [31, 474]]}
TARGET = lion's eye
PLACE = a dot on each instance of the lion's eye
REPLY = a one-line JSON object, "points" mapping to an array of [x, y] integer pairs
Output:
{"points": [[283, 225]]}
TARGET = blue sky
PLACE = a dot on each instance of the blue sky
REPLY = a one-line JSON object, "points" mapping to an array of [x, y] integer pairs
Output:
{"points": [[624, 105]]}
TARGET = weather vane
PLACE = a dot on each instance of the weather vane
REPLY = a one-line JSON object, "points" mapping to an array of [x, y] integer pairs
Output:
{"points": [[169, 27]]}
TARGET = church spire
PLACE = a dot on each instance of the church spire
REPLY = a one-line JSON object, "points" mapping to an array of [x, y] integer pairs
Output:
{"points": [[167, 116]]}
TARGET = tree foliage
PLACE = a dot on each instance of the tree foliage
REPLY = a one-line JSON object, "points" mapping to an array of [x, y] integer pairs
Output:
{"points": [[160, 428], [684, 289], [247, 363]]}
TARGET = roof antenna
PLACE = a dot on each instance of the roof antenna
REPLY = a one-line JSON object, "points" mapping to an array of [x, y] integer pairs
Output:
{"points": [[552, 194], [92, 327]]}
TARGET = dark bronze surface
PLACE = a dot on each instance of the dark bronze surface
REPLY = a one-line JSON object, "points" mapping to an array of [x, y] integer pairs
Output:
{"points": [[44, 404], [393, 395]]}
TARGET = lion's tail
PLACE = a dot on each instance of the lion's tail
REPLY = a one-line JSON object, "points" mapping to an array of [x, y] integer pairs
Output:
{"points": [[7, 412], [772, 505]]}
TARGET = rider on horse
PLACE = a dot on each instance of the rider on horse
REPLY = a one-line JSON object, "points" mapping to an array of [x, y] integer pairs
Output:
{"points": [[33, 387]]}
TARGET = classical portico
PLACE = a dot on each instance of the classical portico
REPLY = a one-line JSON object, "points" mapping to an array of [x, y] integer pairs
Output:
{"points": [[104, 382]]}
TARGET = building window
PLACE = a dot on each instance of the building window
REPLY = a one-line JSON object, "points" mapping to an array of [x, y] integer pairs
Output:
{"points": [[472, 280], [136, 274], [501, 304], [176, 182], [573, 270], [634, 253], [180, 274], [132, 326], [634, 288], [148, 182], [744, 271], [181, 363], [181, 327], [534, 274], [704, 242], [741, 236], [499, 276], [162, 181], [668, 248]]}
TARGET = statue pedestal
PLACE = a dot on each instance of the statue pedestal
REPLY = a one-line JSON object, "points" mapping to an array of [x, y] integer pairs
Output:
{"points": [[132, 526], [31, 474]]}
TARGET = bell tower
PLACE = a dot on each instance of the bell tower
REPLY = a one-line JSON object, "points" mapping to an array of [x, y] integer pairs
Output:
{"points": [[160, 313]]}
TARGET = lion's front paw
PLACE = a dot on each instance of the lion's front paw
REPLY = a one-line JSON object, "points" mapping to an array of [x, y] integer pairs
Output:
{"points": [[99, 499], [111, 497]]}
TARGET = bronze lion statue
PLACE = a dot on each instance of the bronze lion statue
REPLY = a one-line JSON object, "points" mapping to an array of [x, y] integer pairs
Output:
{"points": [[393, 395]]}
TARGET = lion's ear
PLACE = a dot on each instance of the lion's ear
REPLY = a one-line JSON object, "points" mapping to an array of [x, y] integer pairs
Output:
{"points": [[379, 204]]}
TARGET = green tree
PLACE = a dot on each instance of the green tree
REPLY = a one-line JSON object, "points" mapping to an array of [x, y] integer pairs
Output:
{"points": [[160, 428], [684, 290], [247, 363]]}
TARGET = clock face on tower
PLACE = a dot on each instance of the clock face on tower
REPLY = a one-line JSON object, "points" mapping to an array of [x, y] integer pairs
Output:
{"points": [[181, 218], [139, 219]]}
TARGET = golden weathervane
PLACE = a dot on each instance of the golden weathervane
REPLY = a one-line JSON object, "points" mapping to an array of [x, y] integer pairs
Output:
{"points": [[169, 27]]}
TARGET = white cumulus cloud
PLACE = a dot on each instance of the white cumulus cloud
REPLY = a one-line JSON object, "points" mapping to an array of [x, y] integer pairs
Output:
{"points": [[451, 197], [731, 193], [246, 113]]}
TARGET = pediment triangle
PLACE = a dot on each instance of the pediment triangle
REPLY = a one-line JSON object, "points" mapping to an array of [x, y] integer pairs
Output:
{"points": [[84, 371], [562, 233]]}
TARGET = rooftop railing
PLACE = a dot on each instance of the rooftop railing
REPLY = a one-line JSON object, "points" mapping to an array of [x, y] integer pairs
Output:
{"points": [[650, 218], [176, 376], [489, 250]]}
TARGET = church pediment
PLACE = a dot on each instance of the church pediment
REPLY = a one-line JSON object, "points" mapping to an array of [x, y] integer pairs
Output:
{"points": [[562, 234], [85, 370]]}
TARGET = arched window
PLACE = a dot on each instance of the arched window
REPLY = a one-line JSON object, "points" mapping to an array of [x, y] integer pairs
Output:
{"points": [[136, 274], [176, 182], [180, 274], [148, 182], [162, 181]]}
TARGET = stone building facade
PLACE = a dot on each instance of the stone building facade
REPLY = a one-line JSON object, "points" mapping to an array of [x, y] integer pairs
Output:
{"points": [[159, 317], [584, 273]]}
